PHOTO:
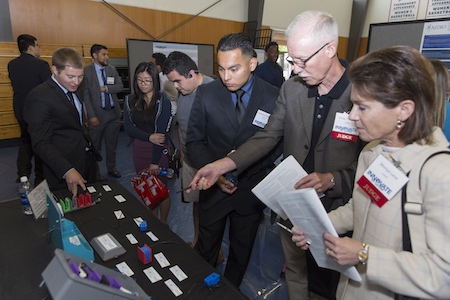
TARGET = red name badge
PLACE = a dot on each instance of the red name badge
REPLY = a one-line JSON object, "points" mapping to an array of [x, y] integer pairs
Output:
{"points": [[382, 181]]}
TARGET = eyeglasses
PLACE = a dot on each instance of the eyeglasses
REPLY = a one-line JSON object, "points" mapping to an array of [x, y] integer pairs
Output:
{"points": [[302, 62], [147, 81]]}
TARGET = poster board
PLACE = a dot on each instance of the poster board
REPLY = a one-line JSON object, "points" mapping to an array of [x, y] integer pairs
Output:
{"points": [[142, 50], [382, 35]]}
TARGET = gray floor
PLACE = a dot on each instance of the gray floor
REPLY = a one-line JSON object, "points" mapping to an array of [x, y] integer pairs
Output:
{"points": [[262, 279]]}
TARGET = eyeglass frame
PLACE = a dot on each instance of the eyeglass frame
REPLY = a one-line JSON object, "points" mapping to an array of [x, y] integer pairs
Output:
{"points": [[147, 82], [304, 61]]}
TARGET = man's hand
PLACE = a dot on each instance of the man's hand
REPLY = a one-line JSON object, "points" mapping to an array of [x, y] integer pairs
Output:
{"points": [[225, 185], [320, 182], [94, 121], [73, 180], [209, 174], [157, 138]]}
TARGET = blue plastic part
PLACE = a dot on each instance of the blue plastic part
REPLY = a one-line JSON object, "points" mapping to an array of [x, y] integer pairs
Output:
{"points": [[143, 226], [212, 279]]}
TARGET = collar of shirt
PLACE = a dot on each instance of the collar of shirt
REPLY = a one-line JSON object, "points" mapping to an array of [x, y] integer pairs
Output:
{"points": [[247, 88], [337, 90]]}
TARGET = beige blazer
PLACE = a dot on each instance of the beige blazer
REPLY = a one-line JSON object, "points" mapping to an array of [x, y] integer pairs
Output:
{"points": [[424, 273]]}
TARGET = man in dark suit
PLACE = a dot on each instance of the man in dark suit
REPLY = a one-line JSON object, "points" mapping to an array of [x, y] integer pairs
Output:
{"points": [[26, 72], [269, 70], [306, 110], [101, 85], [215, 129], [54, 112]]}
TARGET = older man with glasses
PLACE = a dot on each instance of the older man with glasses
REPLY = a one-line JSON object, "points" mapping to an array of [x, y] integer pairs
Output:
{"points": [[304, 116]]}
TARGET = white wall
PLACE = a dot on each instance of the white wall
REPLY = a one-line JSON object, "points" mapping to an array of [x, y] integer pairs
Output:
{"points": [[279, 13], [378, 12]]}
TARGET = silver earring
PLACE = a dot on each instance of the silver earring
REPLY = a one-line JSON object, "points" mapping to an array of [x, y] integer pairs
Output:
{"points": [[398, 124]]}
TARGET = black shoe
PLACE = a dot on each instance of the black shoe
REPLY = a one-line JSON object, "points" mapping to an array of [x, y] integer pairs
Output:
{"points": [[114, 173], [100, 178]]}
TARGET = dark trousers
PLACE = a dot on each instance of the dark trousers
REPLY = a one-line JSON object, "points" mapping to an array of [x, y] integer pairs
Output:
{"points": [[243, 229], [26, 155]]}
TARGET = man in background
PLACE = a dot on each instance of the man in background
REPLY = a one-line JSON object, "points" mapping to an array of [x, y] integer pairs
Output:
{"points": [[26, 72], [182, 71], [54, 112], [225, 113], [166, 86], [269, 70], [101, 84]]}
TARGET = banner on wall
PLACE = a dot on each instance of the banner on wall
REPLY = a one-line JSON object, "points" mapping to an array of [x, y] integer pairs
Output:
{"points": [[436, 41], [188, 49], [403, 10], [438, 9]]}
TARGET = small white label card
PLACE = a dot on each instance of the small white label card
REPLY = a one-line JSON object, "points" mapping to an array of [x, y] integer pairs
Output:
{"points": [[75, 240], [110, 80], [162, 260], [179, 274], [107, 188], [91, 189], [107, 242], [120, 198], [382, 180], [125, 269], [152, 274], [344, 129], [138, 221], [132, 239], [173, 287], [119, 214], [261, 118], [152, 236]]}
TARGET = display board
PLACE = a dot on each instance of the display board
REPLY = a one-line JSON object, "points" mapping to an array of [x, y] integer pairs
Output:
{"points": [[142, 50], [409, 33]]}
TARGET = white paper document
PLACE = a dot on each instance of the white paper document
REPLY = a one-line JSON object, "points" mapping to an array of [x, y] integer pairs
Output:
{"points": [[281, 179], [303, 208], [306, 212]]}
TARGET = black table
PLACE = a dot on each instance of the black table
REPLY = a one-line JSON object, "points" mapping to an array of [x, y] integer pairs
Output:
{"points": [[26, 249]]}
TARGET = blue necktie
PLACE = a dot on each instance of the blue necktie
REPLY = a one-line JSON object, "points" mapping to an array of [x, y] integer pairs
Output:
{"points": [[107, 100]]}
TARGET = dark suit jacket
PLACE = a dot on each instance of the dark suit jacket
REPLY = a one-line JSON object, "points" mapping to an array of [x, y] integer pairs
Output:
{"points": [[266, 71], [92, 94], [56, 133], [213, 131], [26, 72]]}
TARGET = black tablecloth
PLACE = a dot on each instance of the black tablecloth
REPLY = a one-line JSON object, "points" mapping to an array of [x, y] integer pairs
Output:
{"points": [[26, 249]]}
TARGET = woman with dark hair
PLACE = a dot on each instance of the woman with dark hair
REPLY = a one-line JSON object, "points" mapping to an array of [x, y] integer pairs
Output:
{"points": [[147, 117], [400, 211]]}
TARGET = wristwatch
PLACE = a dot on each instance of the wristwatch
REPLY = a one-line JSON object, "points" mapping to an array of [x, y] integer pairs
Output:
{"points": [[363, 254], [333, 182]]}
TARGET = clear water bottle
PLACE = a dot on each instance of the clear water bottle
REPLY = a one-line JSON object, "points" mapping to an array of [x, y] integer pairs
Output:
{"points": [[24, 190], [168, 172]]}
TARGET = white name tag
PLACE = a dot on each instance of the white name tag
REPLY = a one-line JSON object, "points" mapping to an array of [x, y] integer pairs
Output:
{"points": [[110, 80], [382, 181], [344, 129], [261, 118]]}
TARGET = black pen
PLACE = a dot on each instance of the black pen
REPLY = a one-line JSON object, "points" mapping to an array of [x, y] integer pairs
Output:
{"points": [[182, 190]]}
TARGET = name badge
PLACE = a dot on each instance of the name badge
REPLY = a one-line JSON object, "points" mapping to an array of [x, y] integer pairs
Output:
{"points": [[344, 129], [261, 118], [382, 181], [110, 80]]}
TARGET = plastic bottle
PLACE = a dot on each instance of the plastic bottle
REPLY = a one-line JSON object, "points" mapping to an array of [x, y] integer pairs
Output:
{"points": [[168, 172], [24, 190]]}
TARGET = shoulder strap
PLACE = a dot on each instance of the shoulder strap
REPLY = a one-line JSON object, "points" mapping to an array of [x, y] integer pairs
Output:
{"points": [[412, 205]]}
